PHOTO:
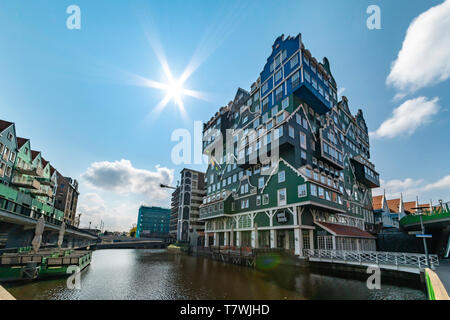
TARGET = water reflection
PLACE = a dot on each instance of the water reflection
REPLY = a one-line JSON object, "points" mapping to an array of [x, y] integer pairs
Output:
{"points": [[157, 274]]}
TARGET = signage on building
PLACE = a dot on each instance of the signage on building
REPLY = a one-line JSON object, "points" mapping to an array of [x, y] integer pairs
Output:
{"points": [[282, 217]]}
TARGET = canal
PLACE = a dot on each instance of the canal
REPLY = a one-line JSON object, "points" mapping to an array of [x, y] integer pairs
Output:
{"points": [[158, 274]]}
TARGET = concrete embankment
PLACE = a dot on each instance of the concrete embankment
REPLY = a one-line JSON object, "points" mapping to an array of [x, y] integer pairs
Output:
{"points": [[5, 295], [436, 290]]}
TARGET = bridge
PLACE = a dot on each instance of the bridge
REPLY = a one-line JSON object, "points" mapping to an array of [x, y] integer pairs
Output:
{"points": [[436, 223], [18, 224], [139, 244], [404, 262]]}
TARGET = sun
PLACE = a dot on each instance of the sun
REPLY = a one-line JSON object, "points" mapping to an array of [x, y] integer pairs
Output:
{"points": [[175, 90]]}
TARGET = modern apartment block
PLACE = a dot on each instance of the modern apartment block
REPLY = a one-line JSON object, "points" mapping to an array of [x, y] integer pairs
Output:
{"points": [[153, 222], [186, 201], [66, 196], [289, 164], [27, 178]]}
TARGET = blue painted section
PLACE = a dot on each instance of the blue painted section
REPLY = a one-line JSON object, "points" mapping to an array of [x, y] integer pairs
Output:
{"points": [[285, 63], [152, 221]]}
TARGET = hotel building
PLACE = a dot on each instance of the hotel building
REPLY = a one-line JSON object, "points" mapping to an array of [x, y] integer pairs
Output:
{"points": [[289, 164]]}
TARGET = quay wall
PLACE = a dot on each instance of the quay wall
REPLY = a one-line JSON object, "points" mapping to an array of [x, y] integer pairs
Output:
{"points": [[5, 295]]}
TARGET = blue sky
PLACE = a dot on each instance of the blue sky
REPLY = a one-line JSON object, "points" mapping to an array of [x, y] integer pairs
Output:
{"points": [[72, 91]]}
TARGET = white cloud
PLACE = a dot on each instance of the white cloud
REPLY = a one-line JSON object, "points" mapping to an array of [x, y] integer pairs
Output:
{"points": [[119, 191], [122, 178], [410, 188], [405, 119], [95, 209], [443, 183], [425, 55], [340, 92]]}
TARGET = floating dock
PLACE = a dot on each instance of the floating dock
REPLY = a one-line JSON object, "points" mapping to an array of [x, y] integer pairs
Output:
{"points": [[32, 266]]}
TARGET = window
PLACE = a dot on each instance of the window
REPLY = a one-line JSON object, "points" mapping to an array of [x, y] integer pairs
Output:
{"points": [[280, 118], [277, 61], [295, 79], [321, 192], [303, 140], [265, 199], [282, 197], [307, 76], [258, 200], [291, 132], [314, 190], [265, 87], [294, 61], [278, 132], [285, 103], [278, 75], [302, 190], [303, 154], [279, 93], [281, 177], [261, 183], [265, 103]]}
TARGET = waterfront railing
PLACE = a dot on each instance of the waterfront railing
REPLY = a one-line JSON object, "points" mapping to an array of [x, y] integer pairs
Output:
{"points": [[374, 257]]}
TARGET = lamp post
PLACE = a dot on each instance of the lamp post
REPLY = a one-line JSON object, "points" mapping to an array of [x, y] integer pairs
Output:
{"points": [[423, 235], [424, 241]]}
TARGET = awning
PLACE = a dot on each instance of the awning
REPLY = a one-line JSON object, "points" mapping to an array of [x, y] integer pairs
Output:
{"points": [[340, 230]]}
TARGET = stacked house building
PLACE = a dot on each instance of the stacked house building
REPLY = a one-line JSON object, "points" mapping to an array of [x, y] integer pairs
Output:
{"points": [[30, 181], [289, 164]]}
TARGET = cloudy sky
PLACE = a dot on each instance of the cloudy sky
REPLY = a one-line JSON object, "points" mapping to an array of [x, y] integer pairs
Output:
{"points": [[93, 100]]}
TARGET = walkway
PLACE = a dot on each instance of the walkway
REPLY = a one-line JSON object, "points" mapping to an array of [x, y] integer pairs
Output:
{"points": [[443, 271], [405, 262]]}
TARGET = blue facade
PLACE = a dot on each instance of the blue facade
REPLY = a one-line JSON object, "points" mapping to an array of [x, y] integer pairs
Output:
{"points": [[289, 71], [153, 222]]}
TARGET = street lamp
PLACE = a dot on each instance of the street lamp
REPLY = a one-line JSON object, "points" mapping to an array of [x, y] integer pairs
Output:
{"points": [[423, 236], [167, 187]]}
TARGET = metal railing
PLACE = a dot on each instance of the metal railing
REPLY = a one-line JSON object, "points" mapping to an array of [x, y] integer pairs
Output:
{"points": [[374, 257], [18, 209]]}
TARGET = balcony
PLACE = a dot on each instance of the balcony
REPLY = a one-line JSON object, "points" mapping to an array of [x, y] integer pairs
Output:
{"points": [[26, 168], [42, 193], [365, 172], [47, 182], [26, 182]]}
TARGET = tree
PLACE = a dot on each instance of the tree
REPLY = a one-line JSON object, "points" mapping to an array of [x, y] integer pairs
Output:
{"points": [[133, 232]]}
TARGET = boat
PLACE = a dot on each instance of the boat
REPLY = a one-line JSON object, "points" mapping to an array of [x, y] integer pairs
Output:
{"points": [[24, 265]]}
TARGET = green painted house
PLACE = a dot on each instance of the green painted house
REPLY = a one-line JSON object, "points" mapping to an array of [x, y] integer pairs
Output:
{"points": [[289, 165]]}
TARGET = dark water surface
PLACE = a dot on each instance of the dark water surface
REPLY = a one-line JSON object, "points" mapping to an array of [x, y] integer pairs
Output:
{"points": [[160, 275]]}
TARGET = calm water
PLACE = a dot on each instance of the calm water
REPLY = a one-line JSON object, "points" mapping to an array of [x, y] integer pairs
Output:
{"points": [[158, 274]]}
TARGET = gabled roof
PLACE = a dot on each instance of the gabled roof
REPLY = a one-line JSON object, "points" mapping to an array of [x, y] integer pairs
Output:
{"points": [[44, 162], [377, 202], [52, 170], [21, 142], [4, 125], [34, 154], [394, 205]]}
